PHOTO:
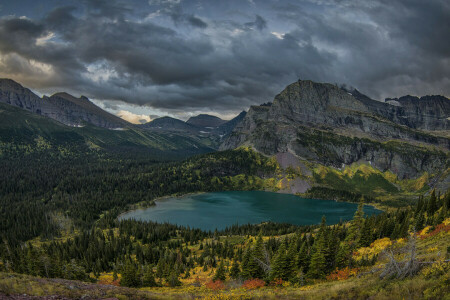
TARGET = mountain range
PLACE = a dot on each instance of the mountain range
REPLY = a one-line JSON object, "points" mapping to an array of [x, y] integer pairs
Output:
{"points": [[202, 133], [307, 125]]}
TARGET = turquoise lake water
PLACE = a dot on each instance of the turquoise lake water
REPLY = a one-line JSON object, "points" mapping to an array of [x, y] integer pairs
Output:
{"points": [[209, 211]]}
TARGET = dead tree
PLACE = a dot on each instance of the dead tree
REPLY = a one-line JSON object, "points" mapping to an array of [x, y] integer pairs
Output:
{"points": [[407, 267]]}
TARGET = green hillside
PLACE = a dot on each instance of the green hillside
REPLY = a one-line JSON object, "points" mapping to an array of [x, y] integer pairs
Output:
{"points": [[22, 131]]}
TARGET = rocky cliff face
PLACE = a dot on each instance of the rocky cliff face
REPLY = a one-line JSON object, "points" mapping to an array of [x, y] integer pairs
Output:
{"points": [[324, 123], [61, 107]]}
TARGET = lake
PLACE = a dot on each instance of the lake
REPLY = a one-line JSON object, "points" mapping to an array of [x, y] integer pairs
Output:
{"points": [[209, 211]]}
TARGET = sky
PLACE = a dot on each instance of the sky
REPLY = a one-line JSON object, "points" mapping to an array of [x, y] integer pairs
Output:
{"points": [[144, 59]]}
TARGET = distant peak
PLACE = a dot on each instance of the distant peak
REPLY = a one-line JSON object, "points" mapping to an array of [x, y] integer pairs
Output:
{"points": [[205, 120], [9, 82], [69, 97]]}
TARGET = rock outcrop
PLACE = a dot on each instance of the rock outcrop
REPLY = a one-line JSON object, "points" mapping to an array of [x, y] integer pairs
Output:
{"points": [[330, 125], [61, 107]]}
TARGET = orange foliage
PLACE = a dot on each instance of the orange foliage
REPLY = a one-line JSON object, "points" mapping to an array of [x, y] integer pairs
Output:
{"points": [[215, 285], [342, 274], [439, 228], [252, 284]]}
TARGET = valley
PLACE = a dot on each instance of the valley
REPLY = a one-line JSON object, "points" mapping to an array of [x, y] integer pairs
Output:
{"points": [[65, 182]]}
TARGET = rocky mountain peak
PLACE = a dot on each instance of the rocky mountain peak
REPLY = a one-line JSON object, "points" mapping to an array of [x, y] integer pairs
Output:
{"points": [[205, 120], [332, 125], [61, 107]]}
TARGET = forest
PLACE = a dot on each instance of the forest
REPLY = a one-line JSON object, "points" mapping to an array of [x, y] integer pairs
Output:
{"points": [[58, 219]]}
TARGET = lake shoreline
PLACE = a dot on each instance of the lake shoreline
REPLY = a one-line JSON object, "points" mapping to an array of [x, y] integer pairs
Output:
{"points": [[226, 208], [153, 202]]}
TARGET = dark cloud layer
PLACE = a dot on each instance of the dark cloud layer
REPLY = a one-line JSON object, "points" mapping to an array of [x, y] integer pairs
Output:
{"points": [[226, 55]]}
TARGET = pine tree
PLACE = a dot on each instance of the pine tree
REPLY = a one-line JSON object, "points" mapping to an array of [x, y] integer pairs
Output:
{"points": [[442, 213], [235, 271], [403, 231], [303, 259], [246, 272], [292, 258], [366, 234], [172, 279], [129, 275], [148, 279], [420, 219], [317, 266], [431, 207], [160, 269], [256, 270], [280, 268], [332, 248], [419, 205], [354, 231], [220, 272]]}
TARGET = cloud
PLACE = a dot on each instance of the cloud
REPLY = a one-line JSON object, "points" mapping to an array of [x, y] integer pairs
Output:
{"points": [[260, 23], [133, 118], [224, 56]]}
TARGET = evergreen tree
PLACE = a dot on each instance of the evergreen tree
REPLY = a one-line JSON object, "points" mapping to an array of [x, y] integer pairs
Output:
{"points": [[129, 275], [220, 272], [343, 255], [431, 207], [160, 269], [292, 258], [172, 279], [354, 231], [280, 267], [317, 266], [148, 279], [420, 219], [419, 206], [366, 234], [246, 271], [332, 248], [303, 259], [442, 213], [235, 271], [256, 271]]}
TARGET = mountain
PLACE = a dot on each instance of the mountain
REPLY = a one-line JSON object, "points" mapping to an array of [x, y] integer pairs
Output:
{"points": [[63, 121], [204, 120], [61, 107], [425, 113], [207, 129], [169, 124], [327, 125], [227, 127]]}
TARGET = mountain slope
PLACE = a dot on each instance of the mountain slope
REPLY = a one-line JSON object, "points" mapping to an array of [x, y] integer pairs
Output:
{"points": [[323, 124], [61, 107], [204, 120], [169, 124], [207, 129], [23, 131]]}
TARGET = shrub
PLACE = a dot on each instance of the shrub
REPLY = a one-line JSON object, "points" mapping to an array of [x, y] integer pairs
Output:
{"points": [[277, 282], [342, 274], [252, 284], [437, 269], [215, 285]]}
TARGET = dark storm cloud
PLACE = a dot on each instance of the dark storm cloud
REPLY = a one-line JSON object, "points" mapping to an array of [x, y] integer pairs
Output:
{"points": [[183, 55], [259, 23]]}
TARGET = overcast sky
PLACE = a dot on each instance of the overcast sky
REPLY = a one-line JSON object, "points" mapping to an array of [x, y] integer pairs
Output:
{"points": [[140, 59]]}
